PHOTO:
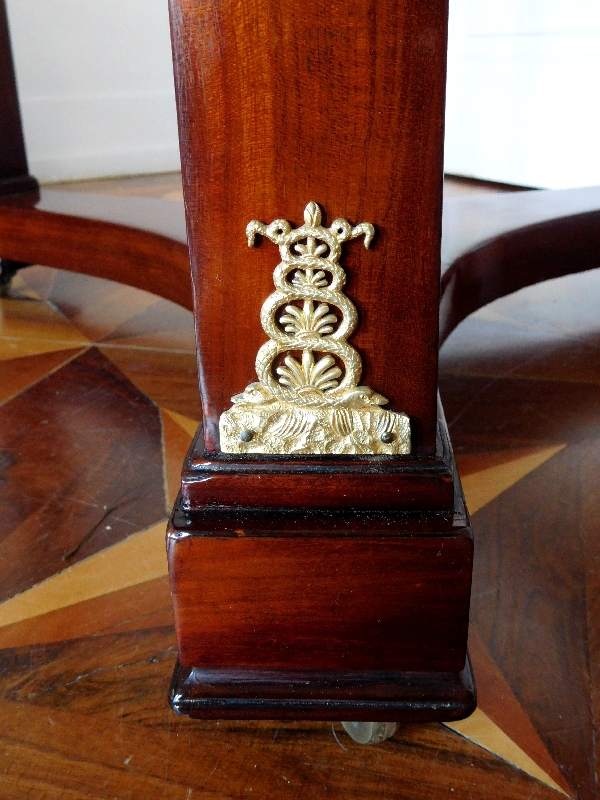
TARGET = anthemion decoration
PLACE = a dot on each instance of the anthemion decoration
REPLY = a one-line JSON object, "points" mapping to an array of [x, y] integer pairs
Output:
{"points": [[307, 399]]}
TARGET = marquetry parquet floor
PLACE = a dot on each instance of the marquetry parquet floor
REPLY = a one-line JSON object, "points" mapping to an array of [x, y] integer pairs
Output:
{"points": [[98, 404]]}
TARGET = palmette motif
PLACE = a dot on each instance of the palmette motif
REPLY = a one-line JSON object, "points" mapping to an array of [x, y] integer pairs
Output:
{"points": [[307, 399]]}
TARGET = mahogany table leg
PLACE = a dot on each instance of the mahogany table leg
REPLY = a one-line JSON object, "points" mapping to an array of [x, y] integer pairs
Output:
{"points": [[320, 553]]}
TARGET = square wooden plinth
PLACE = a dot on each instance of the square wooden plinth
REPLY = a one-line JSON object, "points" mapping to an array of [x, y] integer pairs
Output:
{"points": [[287, 616]]}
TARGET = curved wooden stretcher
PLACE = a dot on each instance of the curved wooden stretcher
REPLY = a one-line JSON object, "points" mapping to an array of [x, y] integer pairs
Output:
{"points": [[491, 245]]}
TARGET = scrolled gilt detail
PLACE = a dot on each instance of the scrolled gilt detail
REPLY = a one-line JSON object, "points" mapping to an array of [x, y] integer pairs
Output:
{"points": [[312, 404]]}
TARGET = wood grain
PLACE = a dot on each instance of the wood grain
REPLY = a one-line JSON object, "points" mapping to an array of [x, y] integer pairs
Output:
{"points": [[137, 241], [19, 373], [385, 484], [107, 484], [107, 700], [405, 484], [312, 603], [342, 106], [496, 699], [121, 758], [90, 717], [169, 379], [145, 605], [496, 245], [272, 104], [134, 560], [530, 571]]}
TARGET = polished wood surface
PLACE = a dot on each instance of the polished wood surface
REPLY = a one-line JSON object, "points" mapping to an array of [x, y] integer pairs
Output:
{"points": [[310, 603], [87, 656], [342, 106], [246, 156], [137, 241], [559, 741], [484, 238], [86, 664], [506, 244], [86, 489], [493, 246], [269, 118], [164, 186], [322, 694], [385, 483], [527, 379]]}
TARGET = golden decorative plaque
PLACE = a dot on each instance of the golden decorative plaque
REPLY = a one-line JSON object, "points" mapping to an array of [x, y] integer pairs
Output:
{"points": [[311, 402]]}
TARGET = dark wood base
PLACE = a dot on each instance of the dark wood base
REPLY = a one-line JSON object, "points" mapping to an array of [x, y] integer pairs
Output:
{"points": [[322, 613], [323, 695], [386, 483], [19, 184]]}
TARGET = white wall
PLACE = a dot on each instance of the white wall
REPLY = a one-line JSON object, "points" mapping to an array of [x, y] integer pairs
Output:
{"points": [[523, 103], [96, 86]]}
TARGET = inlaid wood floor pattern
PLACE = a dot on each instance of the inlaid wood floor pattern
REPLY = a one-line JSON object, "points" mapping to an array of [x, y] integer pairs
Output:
{"points": [[98, 405]]}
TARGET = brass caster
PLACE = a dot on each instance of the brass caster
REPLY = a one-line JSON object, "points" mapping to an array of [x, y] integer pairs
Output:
{"points": [[370, 732]]}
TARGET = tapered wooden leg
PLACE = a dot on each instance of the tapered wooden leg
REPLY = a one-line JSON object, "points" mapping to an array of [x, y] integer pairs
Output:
{"points": [[320, 553]]}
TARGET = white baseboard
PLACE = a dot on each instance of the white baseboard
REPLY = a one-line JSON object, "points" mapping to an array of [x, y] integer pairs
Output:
{"points": [[99, 135]]}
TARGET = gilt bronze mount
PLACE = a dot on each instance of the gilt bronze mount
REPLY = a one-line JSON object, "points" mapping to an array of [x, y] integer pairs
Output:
{"points": [[315, 405]]}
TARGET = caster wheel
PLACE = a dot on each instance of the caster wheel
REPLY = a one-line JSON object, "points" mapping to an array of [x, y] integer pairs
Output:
{"points": [[370, 732]]}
